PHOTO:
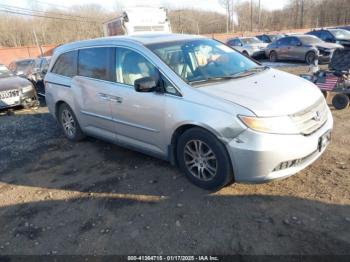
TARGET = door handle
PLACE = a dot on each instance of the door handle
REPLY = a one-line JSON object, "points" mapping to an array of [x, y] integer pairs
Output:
{"points": [[103, 96], [116, 99]]}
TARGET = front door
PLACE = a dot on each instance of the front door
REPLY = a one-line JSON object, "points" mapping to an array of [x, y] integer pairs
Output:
{"points": [[139, 117]]}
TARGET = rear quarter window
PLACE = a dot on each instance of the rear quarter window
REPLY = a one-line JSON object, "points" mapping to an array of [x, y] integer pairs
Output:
{"points": [[66, 64]]}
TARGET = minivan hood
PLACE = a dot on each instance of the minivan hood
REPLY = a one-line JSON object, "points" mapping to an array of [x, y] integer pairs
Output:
{"points": [[268, 93]]}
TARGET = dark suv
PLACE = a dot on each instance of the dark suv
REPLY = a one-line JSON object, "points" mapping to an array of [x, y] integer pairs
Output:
{"points": [[339, 36]]}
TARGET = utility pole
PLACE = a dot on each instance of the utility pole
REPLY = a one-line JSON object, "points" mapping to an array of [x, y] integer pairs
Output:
{"points": [[302, 14], [37, 43], [251, 15], [259, 17]]}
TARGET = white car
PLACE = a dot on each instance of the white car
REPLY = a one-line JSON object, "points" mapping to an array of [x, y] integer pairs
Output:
{"points": [[196, 102], [249, 46]]}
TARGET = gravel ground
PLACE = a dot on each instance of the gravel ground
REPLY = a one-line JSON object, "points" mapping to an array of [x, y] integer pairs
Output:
{"points": [[59, 197]]}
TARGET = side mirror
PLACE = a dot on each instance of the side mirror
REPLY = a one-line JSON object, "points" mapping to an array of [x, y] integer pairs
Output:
{"points": [[44, 71], [145, 84]]}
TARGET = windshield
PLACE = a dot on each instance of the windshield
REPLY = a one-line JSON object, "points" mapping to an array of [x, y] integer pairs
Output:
{"points": [[310, 40], [23, 65], [340, 33], [251, 40], [4, 72], [202, 60]]}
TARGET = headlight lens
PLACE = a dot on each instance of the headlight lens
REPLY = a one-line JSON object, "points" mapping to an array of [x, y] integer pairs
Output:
{"points": [[273, 125], [27, 89]]}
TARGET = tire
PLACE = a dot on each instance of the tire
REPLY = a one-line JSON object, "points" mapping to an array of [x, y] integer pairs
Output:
{"points": [[72, 128], [245, 53], [340, 101], [273, 56], [310, 58], [211, 168]]}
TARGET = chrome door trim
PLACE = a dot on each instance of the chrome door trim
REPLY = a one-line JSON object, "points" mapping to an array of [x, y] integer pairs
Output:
{"points": [[120, 121]]}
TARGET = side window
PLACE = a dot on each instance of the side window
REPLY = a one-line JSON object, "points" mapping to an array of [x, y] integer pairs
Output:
{"points": [[266, 39], [66, 64], [294, 41], [131, 66], [236, 42], [284, 41], [96, 63]]}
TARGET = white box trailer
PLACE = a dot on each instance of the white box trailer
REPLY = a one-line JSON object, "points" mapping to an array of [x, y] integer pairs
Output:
{"points": [[136, 20]]}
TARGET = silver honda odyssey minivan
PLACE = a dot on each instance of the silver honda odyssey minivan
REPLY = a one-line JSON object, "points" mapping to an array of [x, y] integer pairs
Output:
{"points": [[193, 101]]}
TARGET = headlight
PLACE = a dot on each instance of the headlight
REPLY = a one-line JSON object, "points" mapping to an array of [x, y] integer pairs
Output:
{"points": [[274, 125], [27, 89]]}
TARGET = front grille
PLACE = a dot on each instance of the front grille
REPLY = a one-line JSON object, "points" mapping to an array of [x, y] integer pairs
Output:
{"points": [[311, 119], [9, 94]]}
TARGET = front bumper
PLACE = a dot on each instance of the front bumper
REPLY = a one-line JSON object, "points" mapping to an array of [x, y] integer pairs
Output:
{"points": [[324, 59], [258, 53], [26, 99], [256, 157]]}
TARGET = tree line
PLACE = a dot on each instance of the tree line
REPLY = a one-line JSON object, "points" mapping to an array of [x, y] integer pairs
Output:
{"points": [[20, 27]]}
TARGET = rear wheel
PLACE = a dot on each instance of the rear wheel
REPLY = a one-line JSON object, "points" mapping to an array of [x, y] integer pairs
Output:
{"points": [[340, 101], [69, 123], [204, 159], [273, 56], [245, 53]]}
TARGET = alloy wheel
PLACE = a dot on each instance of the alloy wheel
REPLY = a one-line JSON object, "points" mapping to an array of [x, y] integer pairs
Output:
{"points": [[200, 160], [68, 123]]}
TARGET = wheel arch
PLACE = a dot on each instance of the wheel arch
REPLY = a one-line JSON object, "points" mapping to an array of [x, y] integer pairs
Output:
{"points": [[309, 52], [180, 130], [57, 106]]}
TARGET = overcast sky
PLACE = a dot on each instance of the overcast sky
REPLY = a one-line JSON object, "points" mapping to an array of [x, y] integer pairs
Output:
{"points": [[212, 5]]}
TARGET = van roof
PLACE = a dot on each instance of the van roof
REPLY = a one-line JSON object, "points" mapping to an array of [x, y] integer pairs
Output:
{"points": [[144, 39]]}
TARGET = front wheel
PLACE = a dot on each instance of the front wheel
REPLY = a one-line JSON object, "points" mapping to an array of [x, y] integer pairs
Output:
{"points": [[204, 159]]}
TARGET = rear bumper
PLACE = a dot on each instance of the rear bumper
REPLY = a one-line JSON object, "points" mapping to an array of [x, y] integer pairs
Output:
{"points": [[257, 157]]}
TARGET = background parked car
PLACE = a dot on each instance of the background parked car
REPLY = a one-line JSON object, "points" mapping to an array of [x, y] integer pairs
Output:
{"points": [[32, 69], [301, 47], [339, 36], [249, 46], [347, 28], [269, 38], [15, 90]]}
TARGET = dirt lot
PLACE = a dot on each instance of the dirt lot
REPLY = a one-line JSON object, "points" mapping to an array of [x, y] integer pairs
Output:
{"points": [[92, 197]]}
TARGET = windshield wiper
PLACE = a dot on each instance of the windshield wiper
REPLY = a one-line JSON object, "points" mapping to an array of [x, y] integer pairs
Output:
{"points": [[250, 70], [246, 72]]}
